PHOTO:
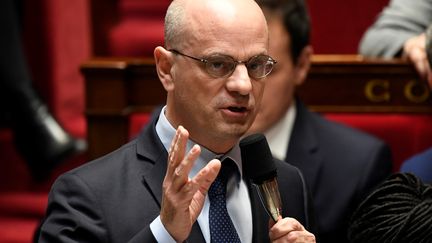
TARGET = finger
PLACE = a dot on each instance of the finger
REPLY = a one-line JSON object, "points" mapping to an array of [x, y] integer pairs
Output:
{"points": [[177, 150], [181, 145], [418, 58], [202, 182], [171, 163], [301, 236], [181, 173], [297, 236], [272, 222], [285, 226], [207, 175]]}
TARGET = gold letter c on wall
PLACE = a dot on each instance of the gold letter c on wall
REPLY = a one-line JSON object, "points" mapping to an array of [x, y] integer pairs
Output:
{"points": [[376, 90]]}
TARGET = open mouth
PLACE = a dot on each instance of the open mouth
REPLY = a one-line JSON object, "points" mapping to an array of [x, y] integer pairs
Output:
{"points": [[237, 109]]}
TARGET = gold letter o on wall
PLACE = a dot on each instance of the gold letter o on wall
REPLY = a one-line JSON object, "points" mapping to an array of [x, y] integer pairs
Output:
{"points": [[414, 97], [372, 90]]}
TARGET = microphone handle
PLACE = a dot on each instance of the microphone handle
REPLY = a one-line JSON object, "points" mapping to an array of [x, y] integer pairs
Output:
{"points": [[268, 192]]}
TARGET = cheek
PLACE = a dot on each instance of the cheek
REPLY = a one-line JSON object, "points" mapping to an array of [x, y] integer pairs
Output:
{"points": [[258, 91], [206, 95]]}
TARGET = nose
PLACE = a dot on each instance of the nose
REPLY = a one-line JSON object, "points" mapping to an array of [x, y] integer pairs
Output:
{"points": [[239, 81]]}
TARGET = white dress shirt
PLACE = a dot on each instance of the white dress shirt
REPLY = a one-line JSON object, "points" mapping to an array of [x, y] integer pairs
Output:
{"points": [[278, 136], [238, 202]]}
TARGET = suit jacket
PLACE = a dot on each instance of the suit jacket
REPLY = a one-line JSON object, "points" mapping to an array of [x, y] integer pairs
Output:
{"points": [[398, 22], [116, 197], [340, 166]]}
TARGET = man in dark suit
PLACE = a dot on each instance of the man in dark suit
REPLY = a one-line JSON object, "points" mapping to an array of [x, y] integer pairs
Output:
{"points": [[159, 187], [340, 164]]}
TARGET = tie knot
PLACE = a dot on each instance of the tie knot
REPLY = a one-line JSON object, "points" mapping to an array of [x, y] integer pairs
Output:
{"points": [[219, 185], [228, 169]]}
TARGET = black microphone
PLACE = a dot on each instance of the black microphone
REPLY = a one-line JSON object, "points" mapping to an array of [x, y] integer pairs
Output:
{"points": [[259, 166]]}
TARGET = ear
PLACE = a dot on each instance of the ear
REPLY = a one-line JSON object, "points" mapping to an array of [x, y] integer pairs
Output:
{"points": [[163, 61], [303, 64]]}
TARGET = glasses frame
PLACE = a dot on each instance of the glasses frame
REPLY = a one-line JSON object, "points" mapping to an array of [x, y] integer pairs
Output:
{"points": [[236, 62]]}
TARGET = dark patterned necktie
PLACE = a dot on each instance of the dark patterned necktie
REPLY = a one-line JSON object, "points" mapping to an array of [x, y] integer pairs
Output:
{"points": [[221, 227]]}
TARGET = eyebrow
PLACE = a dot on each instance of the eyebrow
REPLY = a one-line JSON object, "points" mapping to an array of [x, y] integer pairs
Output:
{"points": [[238, 59]]}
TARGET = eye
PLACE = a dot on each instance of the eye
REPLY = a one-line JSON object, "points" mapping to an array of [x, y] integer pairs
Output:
{"points": [[254, 65], [219, 65], [216, 64]]}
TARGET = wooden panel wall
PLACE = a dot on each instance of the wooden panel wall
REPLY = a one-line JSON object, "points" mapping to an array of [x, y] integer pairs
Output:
{"points": [[118, 87]]}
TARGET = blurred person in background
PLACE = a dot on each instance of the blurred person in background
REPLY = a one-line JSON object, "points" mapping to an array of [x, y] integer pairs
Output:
{"points": [[400, 31], [38, 137], [340, 164]]}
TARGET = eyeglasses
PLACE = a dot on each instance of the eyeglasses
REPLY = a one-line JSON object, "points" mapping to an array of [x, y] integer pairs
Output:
{"points": [[221, 66]]}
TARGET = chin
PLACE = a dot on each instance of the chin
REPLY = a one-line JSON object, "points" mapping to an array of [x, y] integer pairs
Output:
{"points": [[236, 131]]}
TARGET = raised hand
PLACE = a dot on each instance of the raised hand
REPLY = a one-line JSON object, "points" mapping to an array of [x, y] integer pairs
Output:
{"points": [[183, 197]]}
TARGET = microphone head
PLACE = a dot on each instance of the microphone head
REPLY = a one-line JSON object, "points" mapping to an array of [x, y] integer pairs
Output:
{"points": [[257, 159]]}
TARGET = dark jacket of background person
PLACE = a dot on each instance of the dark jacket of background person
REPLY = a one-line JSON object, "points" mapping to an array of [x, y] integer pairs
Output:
{"points": [[340, 164]]}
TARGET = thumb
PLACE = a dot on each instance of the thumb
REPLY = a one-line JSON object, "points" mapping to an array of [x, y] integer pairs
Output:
{"points": [[272, 222]]}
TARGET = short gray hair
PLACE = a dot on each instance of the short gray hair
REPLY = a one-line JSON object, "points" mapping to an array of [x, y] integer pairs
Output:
{"points": [[174, 23]]}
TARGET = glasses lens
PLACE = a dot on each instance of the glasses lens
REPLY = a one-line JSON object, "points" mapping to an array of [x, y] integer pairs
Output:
{"points": [[260, 66], [220, 66]]}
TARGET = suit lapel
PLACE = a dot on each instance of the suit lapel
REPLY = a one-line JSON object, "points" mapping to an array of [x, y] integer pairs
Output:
{"points": [[151, 149], [303, 150]]}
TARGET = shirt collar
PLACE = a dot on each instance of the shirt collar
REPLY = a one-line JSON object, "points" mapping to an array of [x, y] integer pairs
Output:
{"points": [[166, 133], [278, 136]]}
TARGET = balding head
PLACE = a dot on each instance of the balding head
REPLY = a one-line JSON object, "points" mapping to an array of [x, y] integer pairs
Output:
{"points": [[186, 19]]}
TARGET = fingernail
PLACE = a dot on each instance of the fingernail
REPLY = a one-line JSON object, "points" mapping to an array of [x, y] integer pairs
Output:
{"points": [[195, 148]]}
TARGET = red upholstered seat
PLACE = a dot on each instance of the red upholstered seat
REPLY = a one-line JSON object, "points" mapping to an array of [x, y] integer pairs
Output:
{"points": [[136, 123], [20, 214], [338, 25], [138, 25], [136, 37], [140, 8], [406, 134], [140, 29], [23, 204], [17, 229]]}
